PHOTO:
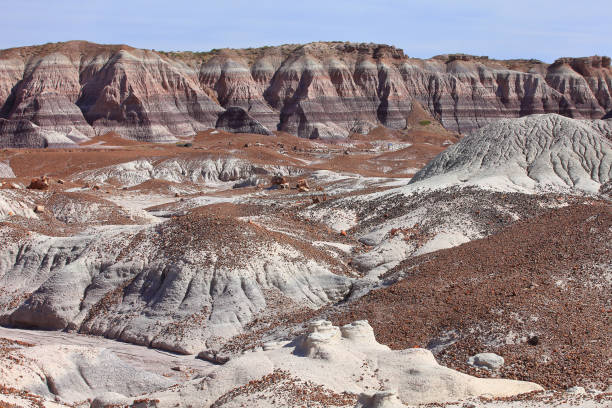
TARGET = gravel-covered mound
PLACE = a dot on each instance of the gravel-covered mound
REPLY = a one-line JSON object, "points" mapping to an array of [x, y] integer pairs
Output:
{"points": [[537, 293]]}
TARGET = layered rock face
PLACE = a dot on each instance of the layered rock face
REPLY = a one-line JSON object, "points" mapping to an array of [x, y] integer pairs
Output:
{"points": [[237, 120], [20, 133], [317, 90], [80, 89], [23, 133]]}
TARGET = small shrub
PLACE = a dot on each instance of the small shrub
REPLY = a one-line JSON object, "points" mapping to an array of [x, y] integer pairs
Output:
{"points": [[185, 144], [425, 122]]}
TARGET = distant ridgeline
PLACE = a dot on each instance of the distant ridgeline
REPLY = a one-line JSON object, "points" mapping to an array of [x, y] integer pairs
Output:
{"points": [[63, 93]]}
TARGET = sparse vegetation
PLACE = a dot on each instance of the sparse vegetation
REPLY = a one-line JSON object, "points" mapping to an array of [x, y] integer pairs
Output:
{"points": [[425, 122]]}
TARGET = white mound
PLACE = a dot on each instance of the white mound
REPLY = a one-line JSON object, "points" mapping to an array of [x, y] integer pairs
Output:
{"points": [[166, 285], [75, 373], [343, 360], [203, 170], [539, 151], [6, 171]]}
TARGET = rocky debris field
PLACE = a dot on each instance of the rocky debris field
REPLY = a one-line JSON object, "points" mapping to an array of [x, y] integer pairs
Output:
{"points": [[235, 269], [537, 292]]}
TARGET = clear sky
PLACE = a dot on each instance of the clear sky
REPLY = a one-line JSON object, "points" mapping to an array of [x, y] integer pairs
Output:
{"points": [[545, 29]]}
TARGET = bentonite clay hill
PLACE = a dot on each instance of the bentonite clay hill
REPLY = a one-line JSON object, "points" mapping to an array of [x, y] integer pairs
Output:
{"points": [[62, 93], [237, 269], [542, 150]]}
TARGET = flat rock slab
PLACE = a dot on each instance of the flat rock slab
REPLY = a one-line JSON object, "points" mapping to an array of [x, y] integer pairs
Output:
{"points": [[149, 359]]}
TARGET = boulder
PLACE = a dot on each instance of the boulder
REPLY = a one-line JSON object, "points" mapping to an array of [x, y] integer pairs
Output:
{"points": [[213, 356], [489, 361], [302, 185], [319, 199], [39, 183], [279, 182]]}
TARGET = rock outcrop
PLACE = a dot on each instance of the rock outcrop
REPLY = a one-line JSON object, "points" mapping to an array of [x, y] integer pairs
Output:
{"points": [[237, 120], [79, 89], [318, 90], [340, 361]]}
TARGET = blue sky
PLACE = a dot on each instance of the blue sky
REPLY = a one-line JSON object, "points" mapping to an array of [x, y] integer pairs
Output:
{"points": [[510, 29]]}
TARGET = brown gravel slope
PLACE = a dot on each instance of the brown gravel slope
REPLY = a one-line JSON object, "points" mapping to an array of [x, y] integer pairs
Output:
{"points": [[538, 293]]}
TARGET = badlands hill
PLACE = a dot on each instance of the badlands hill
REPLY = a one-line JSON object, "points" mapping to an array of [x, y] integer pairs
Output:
{"points": [[538, 150], [238, 269], [61, 93]]}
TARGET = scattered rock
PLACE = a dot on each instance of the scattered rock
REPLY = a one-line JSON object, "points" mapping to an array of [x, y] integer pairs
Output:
{"points": [[319, 199], [214, 356], [576, 390], [606, 189], [39, 209], [533, 340], [60, 181], [278, 180], [302, 185]]}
